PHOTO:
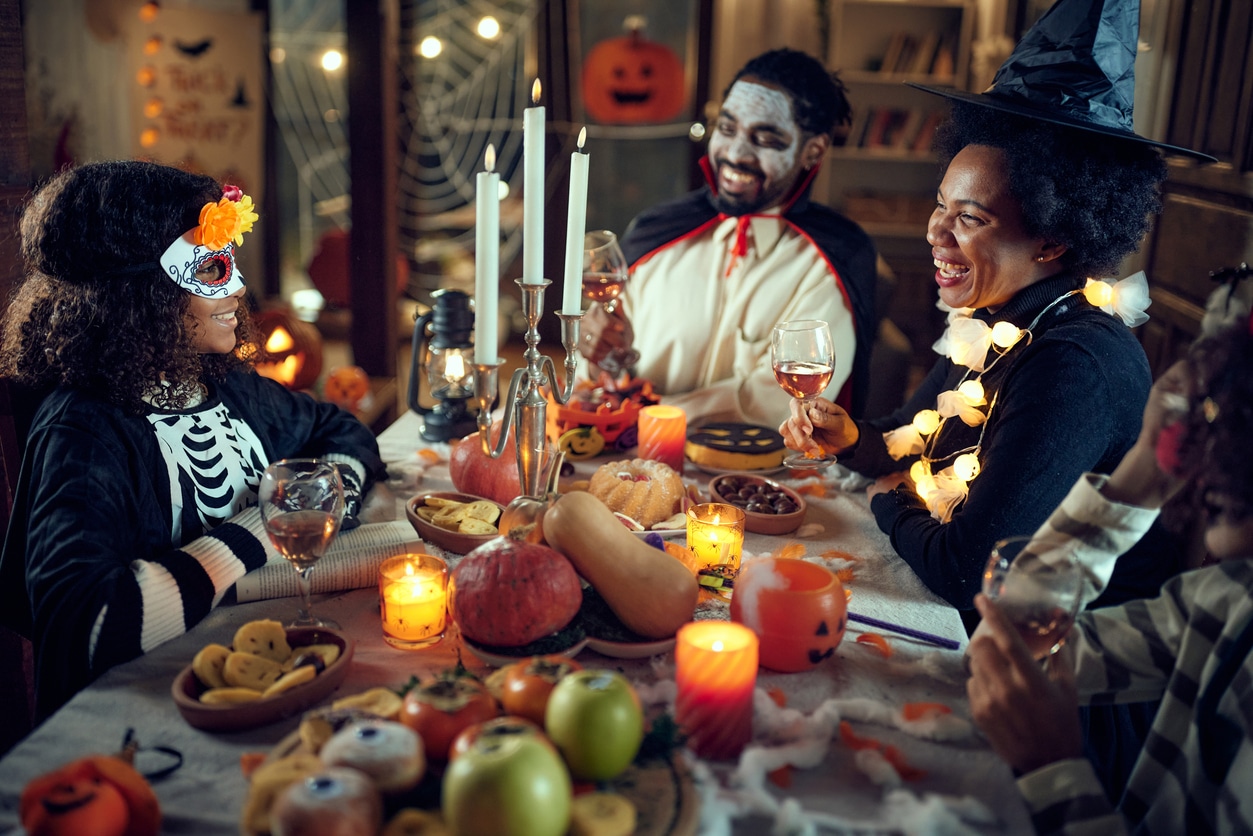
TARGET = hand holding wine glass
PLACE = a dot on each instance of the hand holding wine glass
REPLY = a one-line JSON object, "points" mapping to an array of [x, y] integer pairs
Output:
{"points": [[802, 355], [604, 278], [1037, 588], [302, 505]]}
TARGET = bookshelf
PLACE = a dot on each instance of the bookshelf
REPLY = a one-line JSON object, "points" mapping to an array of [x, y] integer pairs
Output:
{"points": [[884, 174]]}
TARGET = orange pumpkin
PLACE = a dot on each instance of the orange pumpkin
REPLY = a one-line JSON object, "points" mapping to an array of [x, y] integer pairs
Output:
{"points": [[346, 386], [631, 80], [291, 349], [799, 619], [98, 795]]}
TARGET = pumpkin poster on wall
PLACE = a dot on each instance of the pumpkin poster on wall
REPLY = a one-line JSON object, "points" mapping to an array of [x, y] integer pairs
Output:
{"points": [[637, 75], [197, 96]]}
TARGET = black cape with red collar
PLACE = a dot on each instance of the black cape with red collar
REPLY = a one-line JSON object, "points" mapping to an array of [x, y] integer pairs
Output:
{"points": [[845, 247]]}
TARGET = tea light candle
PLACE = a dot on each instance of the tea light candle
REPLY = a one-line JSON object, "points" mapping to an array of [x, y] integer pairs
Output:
{"points": [[413, 593], [716, 672], [715, 533], [662, 434]]}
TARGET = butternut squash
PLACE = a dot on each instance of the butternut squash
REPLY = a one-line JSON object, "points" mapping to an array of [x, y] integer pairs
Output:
{"points": [[652, 592]]}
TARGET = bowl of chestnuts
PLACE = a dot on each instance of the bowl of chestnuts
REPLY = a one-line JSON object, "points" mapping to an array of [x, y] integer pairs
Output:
{"points": [[769, 508]]}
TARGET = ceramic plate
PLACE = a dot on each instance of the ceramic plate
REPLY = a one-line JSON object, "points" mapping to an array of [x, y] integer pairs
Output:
{"points": [[502, 659], [630, 650], [187, 689], [722, 471], [664, 532]]}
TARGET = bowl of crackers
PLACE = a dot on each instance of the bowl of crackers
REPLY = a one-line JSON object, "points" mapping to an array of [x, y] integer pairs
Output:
{"points": [[268, 673], [458, 522]]}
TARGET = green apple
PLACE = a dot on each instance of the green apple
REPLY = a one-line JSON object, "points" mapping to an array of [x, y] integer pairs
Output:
{"points": [[595, 719], [513, 785]]}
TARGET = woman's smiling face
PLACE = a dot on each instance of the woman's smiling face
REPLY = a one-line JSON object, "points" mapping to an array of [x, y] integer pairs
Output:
{"points": [[212, 322], [982, 253]]}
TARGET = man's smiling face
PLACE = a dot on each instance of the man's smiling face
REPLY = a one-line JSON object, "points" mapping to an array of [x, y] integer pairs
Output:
{"points": [[757, 150]]}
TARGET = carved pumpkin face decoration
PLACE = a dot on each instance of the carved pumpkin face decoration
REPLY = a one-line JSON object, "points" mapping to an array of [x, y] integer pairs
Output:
{"points": [[631, 80], [291, 349], [798, 610], [94, 796], [346, 386]]}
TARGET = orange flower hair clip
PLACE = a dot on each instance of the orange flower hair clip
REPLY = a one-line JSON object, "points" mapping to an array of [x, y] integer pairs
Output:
{"points": [[225, 221]]}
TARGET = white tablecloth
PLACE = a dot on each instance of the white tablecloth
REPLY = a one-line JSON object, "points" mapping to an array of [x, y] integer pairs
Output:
{"points": [[966, 786]]}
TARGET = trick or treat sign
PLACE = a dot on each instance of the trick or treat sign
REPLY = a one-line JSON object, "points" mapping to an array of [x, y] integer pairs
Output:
{"points": [[196, 92]]}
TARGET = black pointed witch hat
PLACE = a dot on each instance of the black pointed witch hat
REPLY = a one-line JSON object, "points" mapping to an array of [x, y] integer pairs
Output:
{"points": [[1075, 68]]}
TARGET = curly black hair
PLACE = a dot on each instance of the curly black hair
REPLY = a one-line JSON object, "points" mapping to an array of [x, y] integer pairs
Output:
{"points": [[1096, 195], [96, 311], [1218, 434], [819, 98]]}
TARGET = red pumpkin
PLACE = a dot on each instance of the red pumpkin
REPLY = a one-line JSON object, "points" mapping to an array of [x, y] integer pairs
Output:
{"points": [[474, 472], [798, 609], [631, 80], [92, 796], [290, 350], [509, 593]]}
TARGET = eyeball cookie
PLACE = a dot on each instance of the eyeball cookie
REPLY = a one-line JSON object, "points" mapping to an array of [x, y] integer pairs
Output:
{"points": [[389, 752]]}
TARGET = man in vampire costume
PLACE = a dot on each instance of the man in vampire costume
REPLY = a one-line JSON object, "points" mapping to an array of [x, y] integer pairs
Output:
{"points": [[714, 271]]}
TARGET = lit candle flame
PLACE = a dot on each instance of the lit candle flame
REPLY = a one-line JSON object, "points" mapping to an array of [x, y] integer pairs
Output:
{"points": [[409, 569], [535, 89], [582, 138], [717, 646], [454, 368], [489, 158]]}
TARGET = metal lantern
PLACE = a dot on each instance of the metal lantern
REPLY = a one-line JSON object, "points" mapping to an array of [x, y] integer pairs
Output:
{"points": [[447, 358]]}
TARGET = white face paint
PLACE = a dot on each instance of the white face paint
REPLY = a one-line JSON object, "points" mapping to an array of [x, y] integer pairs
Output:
{"points": [[755, 148]]}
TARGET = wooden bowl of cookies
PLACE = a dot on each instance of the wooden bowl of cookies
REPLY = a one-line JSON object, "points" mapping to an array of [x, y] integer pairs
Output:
{"points": [[188, 689], [458, 522], [769, 508]]}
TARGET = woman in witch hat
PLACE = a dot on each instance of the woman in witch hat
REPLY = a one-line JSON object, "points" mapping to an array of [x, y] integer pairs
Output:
{"points": [[1046, 190]]}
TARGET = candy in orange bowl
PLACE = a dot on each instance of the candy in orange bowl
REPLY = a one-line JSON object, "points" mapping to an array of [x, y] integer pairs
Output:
{"points": [[797, 609]]}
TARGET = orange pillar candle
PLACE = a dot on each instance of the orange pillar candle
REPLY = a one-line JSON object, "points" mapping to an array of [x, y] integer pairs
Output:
{"points": [[413, 593], [716, 672], [662, 434], [715, 534]]}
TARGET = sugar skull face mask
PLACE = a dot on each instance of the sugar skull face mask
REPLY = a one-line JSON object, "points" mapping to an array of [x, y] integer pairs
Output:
{"points": [[201, 270]]}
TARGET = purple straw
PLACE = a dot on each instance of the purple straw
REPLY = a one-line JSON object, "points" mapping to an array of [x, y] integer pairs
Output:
{"points": [[904, 631]]}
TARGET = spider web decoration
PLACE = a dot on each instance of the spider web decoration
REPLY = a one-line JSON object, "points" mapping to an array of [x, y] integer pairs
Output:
{"points": [[310, 107], [452, 107]]}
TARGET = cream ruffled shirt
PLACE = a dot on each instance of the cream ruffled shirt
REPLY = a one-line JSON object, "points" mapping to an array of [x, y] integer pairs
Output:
{"points": [[702, 319]]}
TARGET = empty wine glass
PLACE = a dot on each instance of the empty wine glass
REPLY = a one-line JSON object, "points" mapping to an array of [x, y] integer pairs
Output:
{"points": [[604, 278], [302, 505], [1038, 588], [803, 357]]}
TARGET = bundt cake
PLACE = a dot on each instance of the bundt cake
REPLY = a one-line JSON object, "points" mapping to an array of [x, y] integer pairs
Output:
{"points": [[647, 492]]}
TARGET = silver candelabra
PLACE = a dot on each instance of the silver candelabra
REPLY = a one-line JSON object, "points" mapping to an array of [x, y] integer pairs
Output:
{"points": [[525, 404]]}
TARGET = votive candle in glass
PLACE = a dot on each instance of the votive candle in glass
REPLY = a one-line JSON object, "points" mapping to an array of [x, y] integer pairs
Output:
{"points": [[413, 593], [715, 533], [715, 673], [662, 434]]}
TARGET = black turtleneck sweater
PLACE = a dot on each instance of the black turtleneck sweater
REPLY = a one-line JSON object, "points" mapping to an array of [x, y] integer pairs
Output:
{"points": [[1069, 402]]}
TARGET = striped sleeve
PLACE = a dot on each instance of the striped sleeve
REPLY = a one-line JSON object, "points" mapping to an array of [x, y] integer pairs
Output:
{"points": [[177, 590], [1066, 798], [1095, 530]]}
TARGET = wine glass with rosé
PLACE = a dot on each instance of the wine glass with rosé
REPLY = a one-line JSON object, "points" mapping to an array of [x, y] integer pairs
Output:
{"points": [[803, 357], [302, 505], [1038, 588], [604, 278]]}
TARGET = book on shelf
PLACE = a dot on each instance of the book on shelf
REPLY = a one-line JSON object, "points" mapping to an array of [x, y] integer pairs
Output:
{"points": [[911, 123], [893, 53], [857, 129], [944, 64], [351, 562], [924, 55], [921, 143]]}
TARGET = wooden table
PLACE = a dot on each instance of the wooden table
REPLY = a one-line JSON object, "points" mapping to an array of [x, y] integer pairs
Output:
{"points": [[206, 794]]}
